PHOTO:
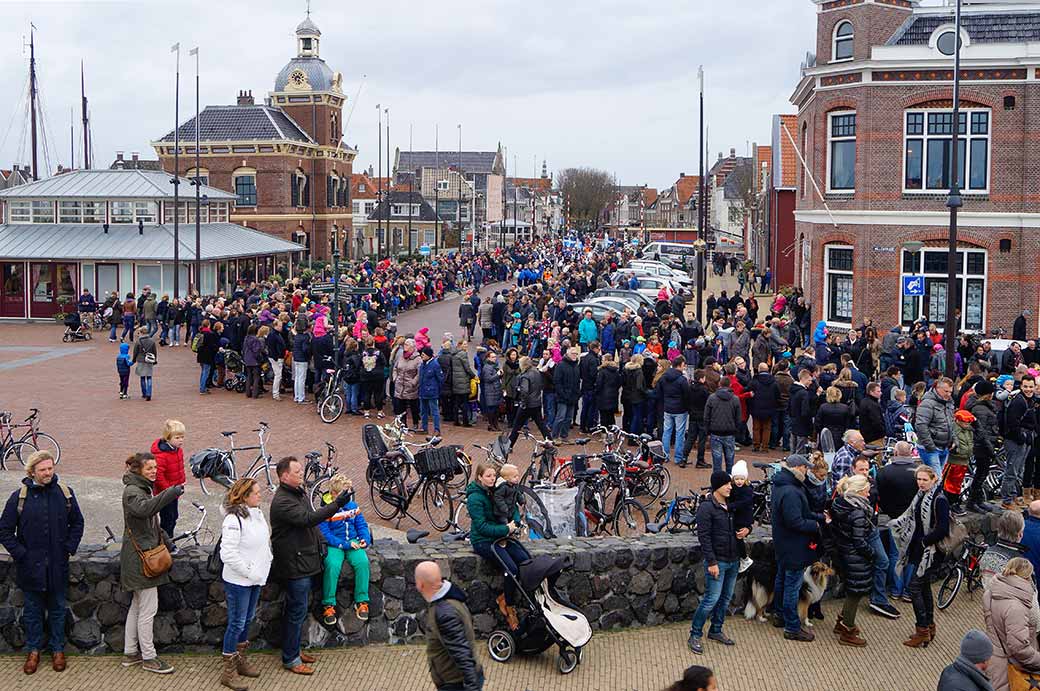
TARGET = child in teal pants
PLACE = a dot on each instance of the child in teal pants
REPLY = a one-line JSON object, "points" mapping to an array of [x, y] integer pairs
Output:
{"points": [[348, 536]]}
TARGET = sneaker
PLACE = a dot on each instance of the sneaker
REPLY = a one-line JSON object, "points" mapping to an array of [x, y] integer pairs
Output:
{"points": [[959, 510], [801, 635], [156, 666], [329, 615], [695, 645], [368, 414], [131, 660], [721, 638], [745, 564], [380, 415], [884, 609], [906, 598], [361, 611]]}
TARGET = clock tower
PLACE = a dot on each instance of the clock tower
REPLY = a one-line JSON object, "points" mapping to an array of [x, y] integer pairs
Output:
{"points": [[309, 91]]}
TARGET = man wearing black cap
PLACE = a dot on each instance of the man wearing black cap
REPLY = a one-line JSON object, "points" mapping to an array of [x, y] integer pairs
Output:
{"points": [[718, 538], [796, 533], [986, 432]]}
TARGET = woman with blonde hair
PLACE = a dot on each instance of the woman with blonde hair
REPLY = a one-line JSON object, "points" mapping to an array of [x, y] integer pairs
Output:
{"points": [[1011, 622], [348, 536], [852, 524], [834, 415], [245, 550]]}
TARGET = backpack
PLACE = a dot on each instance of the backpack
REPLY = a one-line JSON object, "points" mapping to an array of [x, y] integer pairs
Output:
{"points": [[369, 361], [214, 564], [196, 342], [23, 493], [1002, 413]]}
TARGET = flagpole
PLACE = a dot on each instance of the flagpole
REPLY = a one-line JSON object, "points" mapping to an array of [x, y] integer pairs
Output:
{"points": [[198, 182], [176, 172]]}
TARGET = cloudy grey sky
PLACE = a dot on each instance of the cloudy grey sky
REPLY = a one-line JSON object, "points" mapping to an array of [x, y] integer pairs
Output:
{"points": [[604, 83]]}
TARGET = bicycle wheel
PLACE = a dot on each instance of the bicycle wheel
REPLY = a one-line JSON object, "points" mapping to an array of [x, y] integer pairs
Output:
{"points": [[535, 515], [43, 442], [331, 408], [267, 479], [564, 474], [461, 478], [17, 452], [318, 490], [387, 496], [461, 522], [437, 502], [950, 585], [629, 519]]}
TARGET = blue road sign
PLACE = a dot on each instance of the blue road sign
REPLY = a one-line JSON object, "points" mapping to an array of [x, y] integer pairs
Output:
{"points": [[424, 250], [913, 286]]}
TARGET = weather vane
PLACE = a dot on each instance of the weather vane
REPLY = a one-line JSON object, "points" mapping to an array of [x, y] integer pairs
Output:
{"points": [[308, 9]]}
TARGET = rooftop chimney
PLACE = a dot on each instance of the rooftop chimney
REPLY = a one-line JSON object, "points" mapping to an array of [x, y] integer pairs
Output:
{"points": [[245, 98], [720, 155], [135, 156], [682, 175], [732, 152]]}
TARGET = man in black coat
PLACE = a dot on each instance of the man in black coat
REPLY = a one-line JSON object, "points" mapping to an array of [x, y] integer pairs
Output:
{"points": [[722, 419], [588, 368], [297, 545], [450, 641], [896, 489], [765, 399], [796, 536], [800, 409], [718, 539], [697, 432], [871, 421], [40, 528], [567, 383]]}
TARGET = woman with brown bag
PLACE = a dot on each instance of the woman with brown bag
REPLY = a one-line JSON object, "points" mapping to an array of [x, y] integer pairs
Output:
{"points": [[1012, 625], [144, 561]]}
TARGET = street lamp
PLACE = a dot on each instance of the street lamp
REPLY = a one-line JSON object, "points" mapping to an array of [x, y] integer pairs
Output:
{"points": [[699, 245], [335, 293], [953, 201]]}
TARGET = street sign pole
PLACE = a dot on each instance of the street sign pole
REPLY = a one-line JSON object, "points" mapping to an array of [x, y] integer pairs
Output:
{"points": [[335, 294]]}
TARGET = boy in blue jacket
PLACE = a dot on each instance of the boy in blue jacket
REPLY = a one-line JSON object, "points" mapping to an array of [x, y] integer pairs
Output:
{"points": [[348, 537], [123, 364]]}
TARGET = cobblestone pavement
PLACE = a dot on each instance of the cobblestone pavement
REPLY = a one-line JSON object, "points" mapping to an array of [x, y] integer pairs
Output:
{"points": [[75, 387], [632, 660]]}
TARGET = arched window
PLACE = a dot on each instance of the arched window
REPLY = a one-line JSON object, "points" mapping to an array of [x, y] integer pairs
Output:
{"points": [[244, 181], [843, 41], [299, 192]]}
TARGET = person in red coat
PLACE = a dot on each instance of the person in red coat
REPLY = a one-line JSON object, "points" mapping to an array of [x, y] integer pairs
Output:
{"points": [[743, 395], [169, 457]]}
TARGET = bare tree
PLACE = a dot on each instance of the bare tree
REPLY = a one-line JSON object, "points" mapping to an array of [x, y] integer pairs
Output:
{"points": [[587, 191]]}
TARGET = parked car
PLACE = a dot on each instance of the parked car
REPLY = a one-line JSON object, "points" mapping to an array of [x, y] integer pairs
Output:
{"points": [[678, 277], [670, 253], [632, 295], [618, 304]]}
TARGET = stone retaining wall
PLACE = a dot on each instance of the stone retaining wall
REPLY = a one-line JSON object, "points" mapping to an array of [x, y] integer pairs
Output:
{"points": [[635, 582]]}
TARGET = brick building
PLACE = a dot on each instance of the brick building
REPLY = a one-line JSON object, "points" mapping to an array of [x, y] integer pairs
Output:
{"points": [[876, 127], [782, 194], [284, 159]]}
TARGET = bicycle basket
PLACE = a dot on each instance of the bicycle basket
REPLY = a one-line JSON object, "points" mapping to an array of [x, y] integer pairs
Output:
{"points": [[656, 449], [372, 438], [436, 462], [501, 447]]}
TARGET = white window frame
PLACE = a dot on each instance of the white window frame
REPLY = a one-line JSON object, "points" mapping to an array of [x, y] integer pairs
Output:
{"points": [[19, 211], [830, 141], [827, 272], [121, 218], [962, 276], [835, 39], [431, 238], [244, 173], [355, 207], [968, 136]]}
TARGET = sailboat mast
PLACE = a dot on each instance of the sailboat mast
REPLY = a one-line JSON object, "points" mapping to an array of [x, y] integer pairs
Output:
{"points": [[83, 101], [32, 102]]}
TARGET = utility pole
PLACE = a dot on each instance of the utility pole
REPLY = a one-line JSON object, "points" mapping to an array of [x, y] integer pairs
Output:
{"points": [[389, 185], [176, 171], [458, 203], [438, 241], [954, 202], [197, 182]]}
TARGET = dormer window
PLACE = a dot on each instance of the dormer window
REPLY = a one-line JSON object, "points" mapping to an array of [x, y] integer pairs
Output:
{"points": [[843, 35]]}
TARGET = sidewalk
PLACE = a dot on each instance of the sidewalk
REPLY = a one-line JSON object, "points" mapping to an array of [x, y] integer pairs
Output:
{"points": [[633, 660]]}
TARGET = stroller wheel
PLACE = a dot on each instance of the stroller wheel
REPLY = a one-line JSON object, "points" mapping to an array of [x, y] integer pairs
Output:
{"points": [[229, 383], [65, 338], [240, 386], [501, 646], [568, 660]]}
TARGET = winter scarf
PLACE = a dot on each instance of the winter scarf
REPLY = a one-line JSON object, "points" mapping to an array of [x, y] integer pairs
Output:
{"points": [[903, 528]]}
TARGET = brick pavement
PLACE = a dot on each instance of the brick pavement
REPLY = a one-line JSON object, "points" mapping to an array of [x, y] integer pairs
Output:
{"points": [[632, 660]]}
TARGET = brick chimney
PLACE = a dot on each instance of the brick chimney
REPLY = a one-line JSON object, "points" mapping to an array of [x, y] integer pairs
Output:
{"points": [[119, 160], [732, 152], [135, 156], [245, 98], [682, 175]]}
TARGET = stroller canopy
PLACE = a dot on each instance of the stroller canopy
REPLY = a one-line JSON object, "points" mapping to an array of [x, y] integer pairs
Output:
{"points": [[544, 566]]}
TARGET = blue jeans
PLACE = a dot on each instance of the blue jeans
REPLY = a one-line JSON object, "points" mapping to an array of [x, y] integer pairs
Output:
{"points": [[589, 412], [1011, 486], [878, 594], [564, 414], [36, 604], [717, 594], [112, 332], [549, 408], [153, 326], [786, 589], [780, 433], [898, 581], [637, 416], [146, 386], [128, 327], [722, 446], [936, 459], [241, 608], [176, 333], [675, 422], [352, 396], [206, 377], [430, 408], [297, 597]]}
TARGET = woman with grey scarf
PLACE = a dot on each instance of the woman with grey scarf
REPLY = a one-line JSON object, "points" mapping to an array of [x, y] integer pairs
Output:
{"points": [[918, 533]]}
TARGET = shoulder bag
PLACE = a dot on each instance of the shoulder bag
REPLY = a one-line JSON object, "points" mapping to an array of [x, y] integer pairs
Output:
{"points": [[155, 561]]}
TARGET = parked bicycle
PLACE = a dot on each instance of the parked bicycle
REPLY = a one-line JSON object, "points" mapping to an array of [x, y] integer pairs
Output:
{"points": [[220, 465], [330, 398], [392, 497], [967, 568], [316, 474], [762, 509], [645, 475], [12, 450], [626, 518], [680, 514], [393, 436], [33, 436]]}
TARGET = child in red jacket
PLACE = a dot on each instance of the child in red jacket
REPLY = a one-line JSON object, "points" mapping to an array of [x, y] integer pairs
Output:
{"points": [[169, 457]]}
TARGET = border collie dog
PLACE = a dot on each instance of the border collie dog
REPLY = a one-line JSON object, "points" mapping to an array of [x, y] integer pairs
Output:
{"points": [[763, 575]]}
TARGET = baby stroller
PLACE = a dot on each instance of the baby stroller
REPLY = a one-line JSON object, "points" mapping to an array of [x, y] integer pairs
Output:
{"points": [[546, 617], [235, 379], [74, 330]]}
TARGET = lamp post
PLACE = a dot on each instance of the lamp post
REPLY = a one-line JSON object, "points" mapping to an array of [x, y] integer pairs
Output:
{"points": [[699, 244], [702, 216], [953, 201], [197, 182], [176, 182], [335, 294]]}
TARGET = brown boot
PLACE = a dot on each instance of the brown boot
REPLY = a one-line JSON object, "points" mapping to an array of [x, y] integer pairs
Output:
{"points": [[920, 638], [852, 638], [227, 675], [839, 626], [931, 632], [32, 661], [242, 665]]}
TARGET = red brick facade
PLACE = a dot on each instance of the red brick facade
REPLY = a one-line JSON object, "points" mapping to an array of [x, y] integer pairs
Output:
{"points": [[878, 217]]}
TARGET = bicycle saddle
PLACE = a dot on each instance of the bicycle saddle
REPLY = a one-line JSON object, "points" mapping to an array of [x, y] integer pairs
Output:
{"points": [[228, 434], [313, 455], [645, 437], [642, 465], [582, 441], [760, 465], [414, 535], [653, 528], [455, 537]]}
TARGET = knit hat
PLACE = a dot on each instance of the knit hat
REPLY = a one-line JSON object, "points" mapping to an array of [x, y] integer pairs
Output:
{"points": [[427, 351], [795, 460], [740, 469], [937, 347], [1002, 379], [976, 647], [964, 416], [719, 478], [983, 388]]}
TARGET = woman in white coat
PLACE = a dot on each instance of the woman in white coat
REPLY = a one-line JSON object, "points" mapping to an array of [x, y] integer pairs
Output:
{"points": [[245, 549]]}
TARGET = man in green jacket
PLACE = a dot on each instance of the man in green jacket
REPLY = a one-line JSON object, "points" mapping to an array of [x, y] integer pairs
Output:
{"points": [[296, 543]]}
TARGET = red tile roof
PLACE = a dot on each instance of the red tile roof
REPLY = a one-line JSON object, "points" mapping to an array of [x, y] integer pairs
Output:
{"points": [[539, 184], [685, 187], [371, 186], [788, 158], [649, 196], [763, 159]]}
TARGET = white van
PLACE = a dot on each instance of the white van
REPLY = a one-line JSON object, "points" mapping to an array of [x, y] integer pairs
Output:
{"points": [[671, 253]]}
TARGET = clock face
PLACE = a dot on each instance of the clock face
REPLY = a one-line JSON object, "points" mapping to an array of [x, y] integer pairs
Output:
{"points": [[298, 77]]}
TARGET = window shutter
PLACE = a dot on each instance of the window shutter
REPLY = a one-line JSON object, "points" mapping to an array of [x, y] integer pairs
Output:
{"points": [[294, 191]]}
